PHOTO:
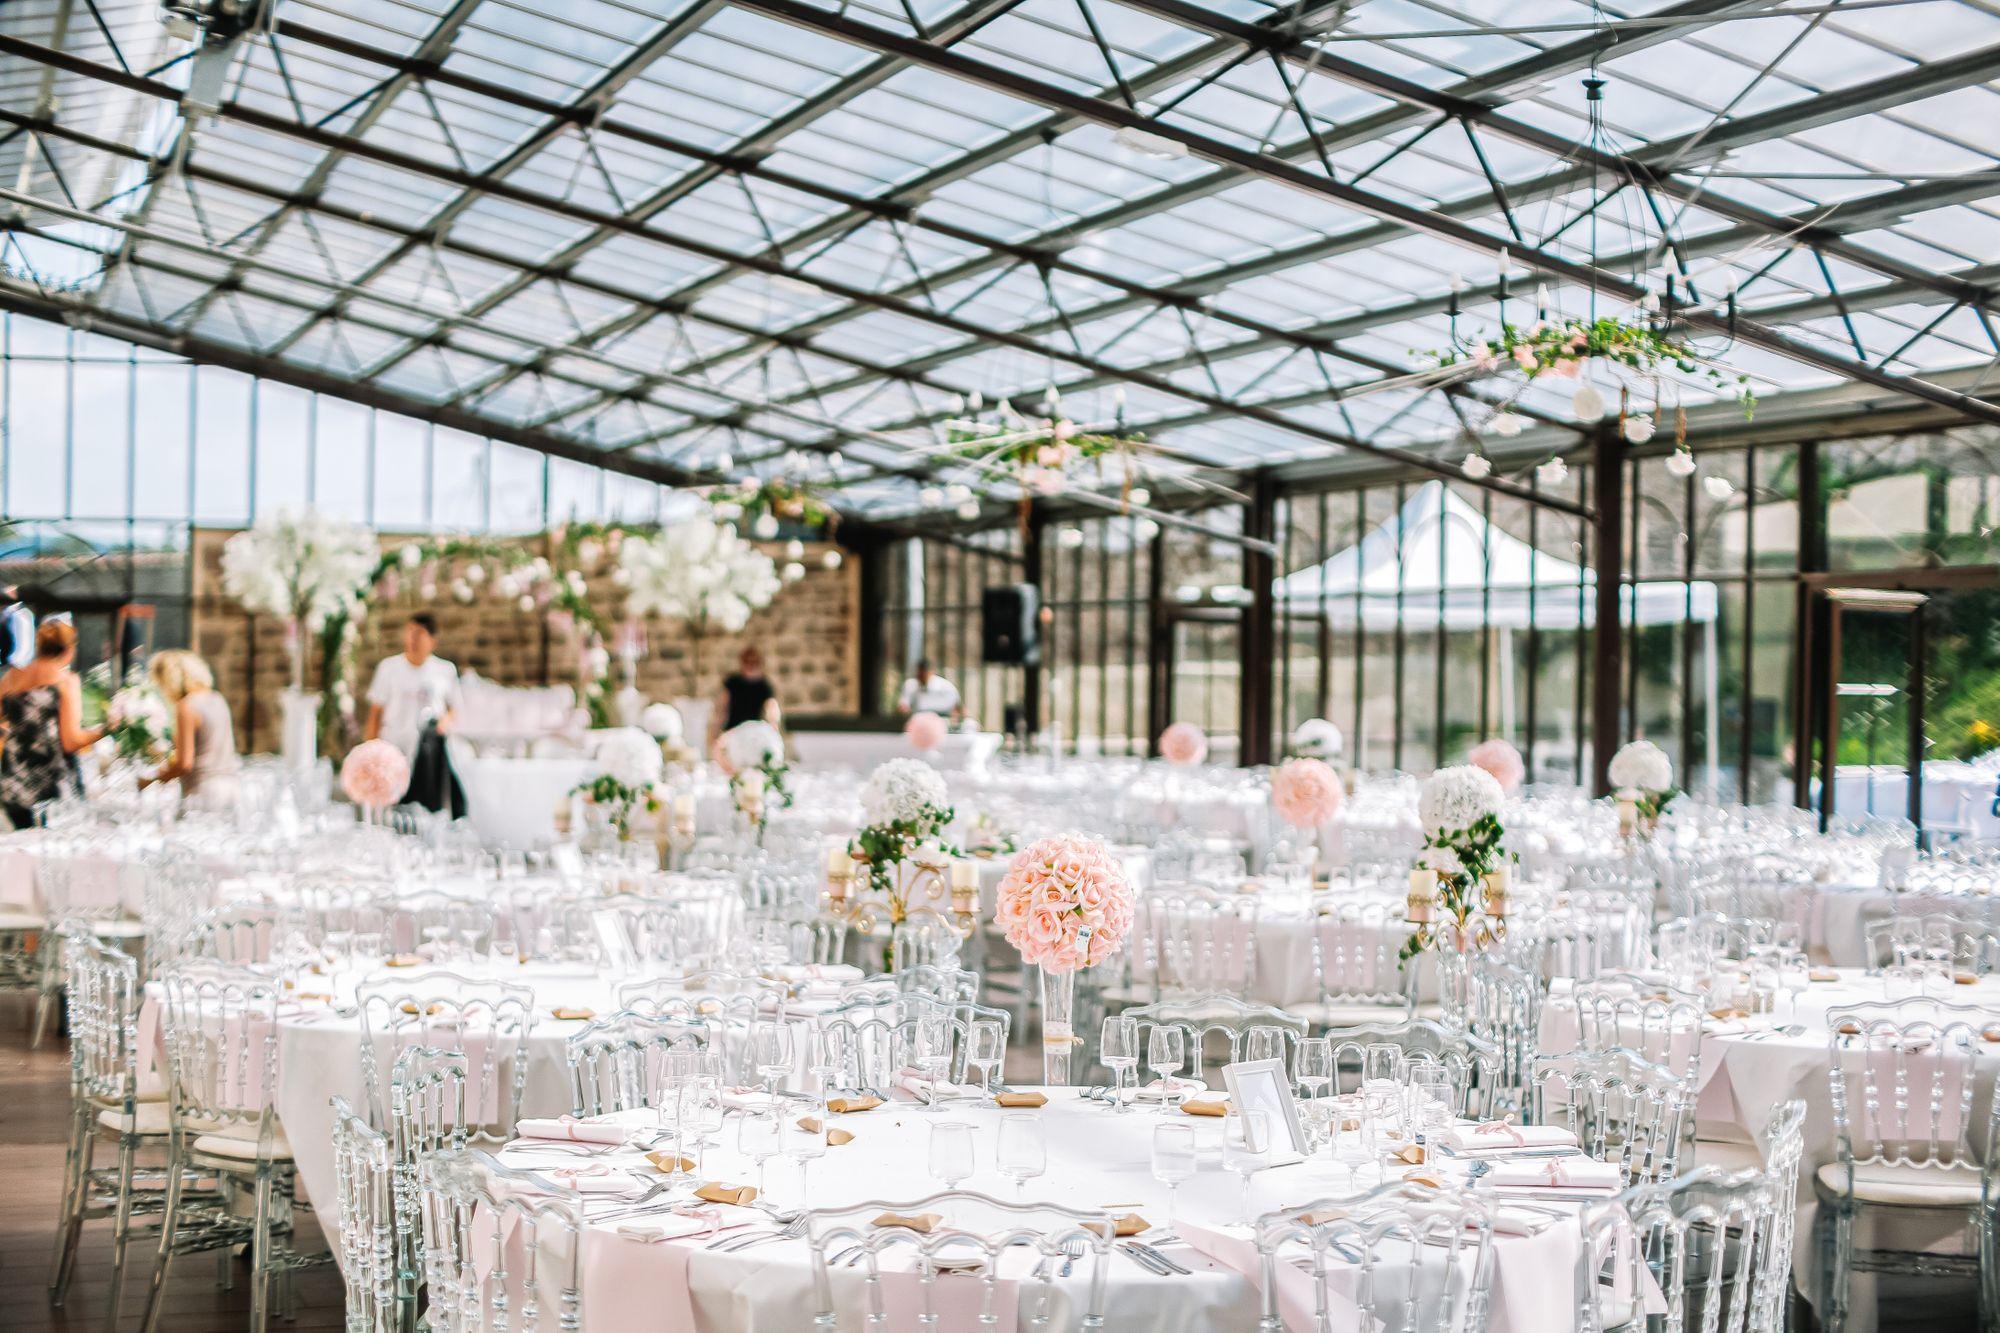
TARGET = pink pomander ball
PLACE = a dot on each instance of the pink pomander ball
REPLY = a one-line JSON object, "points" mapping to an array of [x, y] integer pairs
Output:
{"points": [[1052, 890], [926, 731], [1306, 793], [1183, 743], [375, 775], [1501, 760]]}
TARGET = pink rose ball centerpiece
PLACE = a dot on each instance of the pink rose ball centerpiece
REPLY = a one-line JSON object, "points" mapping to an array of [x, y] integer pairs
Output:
{"points": [[375, 776], [1065, 904], [926, 731], [1502, 760], [1306, 793], [1183, 743]]}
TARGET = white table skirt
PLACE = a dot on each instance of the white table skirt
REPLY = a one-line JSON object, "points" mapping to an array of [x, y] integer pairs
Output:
{"points": [[959, 752]]}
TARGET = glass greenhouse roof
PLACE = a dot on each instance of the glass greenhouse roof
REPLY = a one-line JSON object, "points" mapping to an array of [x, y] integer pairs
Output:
{"points": [[689, 240]]}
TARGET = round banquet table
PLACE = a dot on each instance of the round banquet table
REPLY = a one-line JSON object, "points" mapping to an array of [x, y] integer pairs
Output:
{"points": [[657, 1270]]}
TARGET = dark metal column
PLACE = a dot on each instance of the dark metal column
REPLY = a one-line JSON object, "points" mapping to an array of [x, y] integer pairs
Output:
{"points": [[873, 609], [1031, 572], [1259, 633], [1607, 480]]}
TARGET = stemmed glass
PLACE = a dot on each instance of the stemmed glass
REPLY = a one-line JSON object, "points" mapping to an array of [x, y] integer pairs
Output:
{"points": [[771, 1051], [1352, 1132], [988, 1051], [930, 1045], [951, 1152], [805, 1135], [1166, 1052], [1264, 1044], [1312, 1065], [1173, 1160], [760, 1137], [1118, 1051], [1382, 1062], [1023, 1153], [1430, 1096], [1246, 1149]]}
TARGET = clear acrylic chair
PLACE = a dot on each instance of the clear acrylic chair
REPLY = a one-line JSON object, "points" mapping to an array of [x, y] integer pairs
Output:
{"points": [[219, 1025], [1902, 1078], [1623, 1110], [1704, 1241], [502, 1249], [426, 1115], [975, 1232], [617, 1062], [1397, 1257], [1222, 1021], [366, 1221], [1472, 1065], [490, 1021], [1659, 1023], [1357, 969]]}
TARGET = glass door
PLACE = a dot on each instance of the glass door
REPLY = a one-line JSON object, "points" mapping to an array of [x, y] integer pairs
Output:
{"points": [[1871, 735], [1204, 676]]}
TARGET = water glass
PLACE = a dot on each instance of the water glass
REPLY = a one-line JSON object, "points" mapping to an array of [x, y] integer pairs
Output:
{"points": [[1429, 1096], [930, 1051], [1383, 1062], [1246, 1150], [988, 1051], [1173, 1160], [951, 1152], [1312, 1065], [1166, 1052], [771, 1051], [1023, 1152], [805, 1120], [1351, 1131], [760, 1137], [1118, 1051]]}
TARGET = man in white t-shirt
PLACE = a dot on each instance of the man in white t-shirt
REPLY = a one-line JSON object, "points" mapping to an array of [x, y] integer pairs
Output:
{"points": [[927, 692], [414, 687]]}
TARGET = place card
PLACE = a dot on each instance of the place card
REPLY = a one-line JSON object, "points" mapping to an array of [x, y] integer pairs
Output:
{"points": [[669, 1163], [834, 1137], [1823, 974], [403, 960], [739, 1195], [575, 1013], [1130, 1224], [922, 1223], [1216, 1106], [1021, 1099], [1410, 1154]]}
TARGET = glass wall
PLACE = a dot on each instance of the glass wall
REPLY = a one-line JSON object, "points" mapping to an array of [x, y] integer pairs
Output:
{"points": [[110, 453]]}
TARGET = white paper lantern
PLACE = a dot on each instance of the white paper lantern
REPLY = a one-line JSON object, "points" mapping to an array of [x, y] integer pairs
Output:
{"points": [[765, 527], [1588, 403], [1476, 466], [1507, 424], [1638, 428], [1680, 464], [1552, 473]]}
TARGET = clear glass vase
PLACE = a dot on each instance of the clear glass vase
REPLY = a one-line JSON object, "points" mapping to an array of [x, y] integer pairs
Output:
{"points": [[1058, 1025]]}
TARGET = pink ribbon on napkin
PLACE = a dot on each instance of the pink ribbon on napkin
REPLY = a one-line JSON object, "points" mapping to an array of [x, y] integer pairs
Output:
{"points": [[1502, 1127]]}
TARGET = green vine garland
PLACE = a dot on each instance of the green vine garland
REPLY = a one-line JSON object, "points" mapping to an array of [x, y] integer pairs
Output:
{"points": [[1562, 346]]}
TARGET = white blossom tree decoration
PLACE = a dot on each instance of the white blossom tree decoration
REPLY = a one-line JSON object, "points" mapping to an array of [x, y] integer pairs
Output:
{"points": [[302, 569], [701, 574]]}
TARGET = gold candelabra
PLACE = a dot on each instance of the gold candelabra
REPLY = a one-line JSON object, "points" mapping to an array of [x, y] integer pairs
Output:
{"points": [[919, 884]]}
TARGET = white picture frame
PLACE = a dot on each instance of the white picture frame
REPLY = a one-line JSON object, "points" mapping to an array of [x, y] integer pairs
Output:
{"points": [[1264, 1085]]}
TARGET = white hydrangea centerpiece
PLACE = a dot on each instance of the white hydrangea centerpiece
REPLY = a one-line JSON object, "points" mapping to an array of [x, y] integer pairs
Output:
{"points": [[907, 809], [754, 754], [631, 769], [1644, 778], [1317, 738], [1460, 810]]}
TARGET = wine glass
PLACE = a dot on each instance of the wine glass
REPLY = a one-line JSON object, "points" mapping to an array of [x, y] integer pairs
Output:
{"points": [[760, 1137], [1023, 1153], [1351, 1130], [951, 1152], [988, 1051], [1312, 1065], [1166, 1052], [1382, 1062], [1264, 1044], [1246, 1150], [930, 1051], [805, 1135], [1173, 1160], [1430, 1096], [771, 1051], [1118, 1051], [826, 1057]]}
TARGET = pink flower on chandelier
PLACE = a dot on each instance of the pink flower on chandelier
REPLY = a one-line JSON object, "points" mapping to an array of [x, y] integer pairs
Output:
{"points": [[1500, 759], [1306, 793], [926, 731], [1065, 903], [1183, 743], [375, 775]]}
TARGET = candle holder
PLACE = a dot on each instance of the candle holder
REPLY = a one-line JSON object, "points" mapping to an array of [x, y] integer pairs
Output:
{"points": [[862, 894]]}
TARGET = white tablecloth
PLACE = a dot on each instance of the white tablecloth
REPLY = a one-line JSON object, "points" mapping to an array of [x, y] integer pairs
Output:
{"points": [[512, 802], [961, 751]]}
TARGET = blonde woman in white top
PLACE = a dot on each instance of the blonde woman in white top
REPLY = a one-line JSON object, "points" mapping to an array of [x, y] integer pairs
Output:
{"points": [[204, 760]]}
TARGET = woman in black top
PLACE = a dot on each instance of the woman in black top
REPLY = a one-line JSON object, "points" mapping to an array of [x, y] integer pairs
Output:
{"points": [[747, 696], [42, 704]]}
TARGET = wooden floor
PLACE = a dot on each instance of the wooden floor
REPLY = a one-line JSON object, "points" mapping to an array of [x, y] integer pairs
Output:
{"points": [[34, 1101]]}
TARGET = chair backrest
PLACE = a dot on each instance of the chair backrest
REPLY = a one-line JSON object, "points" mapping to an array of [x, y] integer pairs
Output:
{"points": [[1503, 1007], [1194, 942], [821, 940], [445, 922], [977, 1230], [502, 1249], [1398, 1257], [1218, 1016], [426, 1115], [489, 1021], [1595, 932], [616, 1063], [103, 986], [1356, 948], [1622, 1109], [1784, 1144], [365, 1221], [1902, 1079], [219, 1025], [1702, 1242], [924, 939], [176, 890], [236, 935], [1473, 1065], [1661, 1024]]}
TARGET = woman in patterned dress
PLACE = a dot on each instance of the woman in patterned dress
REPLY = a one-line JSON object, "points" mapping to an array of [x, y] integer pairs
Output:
{"points": [[42, 706]]}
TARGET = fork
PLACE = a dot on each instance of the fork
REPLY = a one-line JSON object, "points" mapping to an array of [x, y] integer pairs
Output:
{"points": [[625, 1208], [791, 1230], [1072, 1248]]}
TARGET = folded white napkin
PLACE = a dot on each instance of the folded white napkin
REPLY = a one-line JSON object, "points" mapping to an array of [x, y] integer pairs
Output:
{"points": [[595, 1178], [1556, 1173], [827, 972], [1495, 1137], [1506, 1221], [573, 1130], [689, 1219], [744, 1099], [920, 1086]]}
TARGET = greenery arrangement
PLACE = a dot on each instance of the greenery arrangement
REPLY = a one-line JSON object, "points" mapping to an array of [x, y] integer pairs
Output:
{"points": [[778, 499], [1562, 347], [1461, 859], [617, 800]]}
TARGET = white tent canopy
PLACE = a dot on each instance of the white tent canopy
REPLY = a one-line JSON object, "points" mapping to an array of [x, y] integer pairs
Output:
{"points": [[1449, 564], [1486, 576]]}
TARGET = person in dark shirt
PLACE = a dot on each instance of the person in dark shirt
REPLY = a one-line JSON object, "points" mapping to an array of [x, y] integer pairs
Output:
{"points": [[747, 696]]}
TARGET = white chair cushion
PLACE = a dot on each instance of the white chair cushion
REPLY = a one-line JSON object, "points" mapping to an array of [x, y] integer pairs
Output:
{"points": [[122, 929], [1343, 1014], [22, 921], [152, 1118], [1903, 1186], [239, 1143]]}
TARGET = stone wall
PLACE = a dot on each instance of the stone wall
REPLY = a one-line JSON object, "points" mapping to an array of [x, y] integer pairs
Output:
{"points": [[808, 635]]}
